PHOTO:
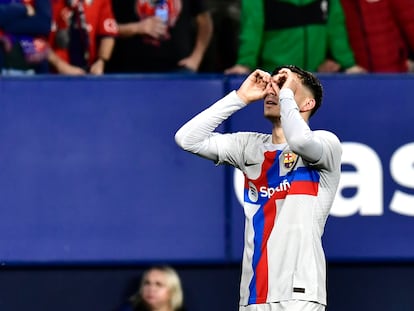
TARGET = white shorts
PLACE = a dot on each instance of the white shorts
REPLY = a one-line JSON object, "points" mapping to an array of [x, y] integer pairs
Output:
{"points": [[290, 305]]}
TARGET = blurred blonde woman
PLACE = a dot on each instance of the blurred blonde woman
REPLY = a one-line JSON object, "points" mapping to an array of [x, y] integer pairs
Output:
{"points": [[160, 290]]}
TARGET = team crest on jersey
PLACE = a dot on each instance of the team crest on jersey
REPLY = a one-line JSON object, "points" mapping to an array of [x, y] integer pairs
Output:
{"points": [[289, 159]]}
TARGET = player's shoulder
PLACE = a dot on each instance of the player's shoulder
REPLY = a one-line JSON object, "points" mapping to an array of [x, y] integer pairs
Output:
{"points": [[327, 135], [248, 140], [254, 136], [330, 141]]}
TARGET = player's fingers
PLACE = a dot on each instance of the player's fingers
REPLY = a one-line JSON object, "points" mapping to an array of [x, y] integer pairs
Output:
{"points": [[261, 73], [279, 79], [285, 71], [275, 86]]}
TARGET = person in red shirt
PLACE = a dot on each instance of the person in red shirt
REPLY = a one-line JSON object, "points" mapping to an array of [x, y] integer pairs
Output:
{"points": [[381, 33], [82, 37]]}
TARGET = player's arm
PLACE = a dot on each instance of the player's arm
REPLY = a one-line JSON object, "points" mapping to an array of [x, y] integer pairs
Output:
{"points": [[301, 139], [197, 135], [321, 148]]}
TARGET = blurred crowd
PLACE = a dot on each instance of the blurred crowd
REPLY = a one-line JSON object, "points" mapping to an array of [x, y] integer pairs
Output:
{"points": [[78, 37]]}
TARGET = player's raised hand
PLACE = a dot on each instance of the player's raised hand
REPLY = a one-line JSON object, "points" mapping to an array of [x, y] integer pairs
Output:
{"points": [[285, 78], [255, 86]]}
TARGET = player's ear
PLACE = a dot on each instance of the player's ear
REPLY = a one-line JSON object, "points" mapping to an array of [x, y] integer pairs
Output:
{"points": [[309, 104]]}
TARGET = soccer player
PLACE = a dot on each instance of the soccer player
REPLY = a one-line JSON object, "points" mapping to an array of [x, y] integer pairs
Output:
{"points": [[291, 177]]}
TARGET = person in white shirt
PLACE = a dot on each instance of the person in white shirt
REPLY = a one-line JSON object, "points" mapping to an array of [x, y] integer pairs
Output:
{"points": [[291, 177]]}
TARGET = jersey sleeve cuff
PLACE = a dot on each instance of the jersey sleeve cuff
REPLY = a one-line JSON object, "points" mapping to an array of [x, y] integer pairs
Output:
{"points": [[236, 99], [286, 93]]}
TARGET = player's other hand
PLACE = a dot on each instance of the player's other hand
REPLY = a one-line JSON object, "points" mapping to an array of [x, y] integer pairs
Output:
{"points": [[255, 87]]}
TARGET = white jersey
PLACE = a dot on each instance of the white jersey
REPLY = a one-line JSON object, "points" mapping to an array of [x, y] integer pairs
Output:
{"points": [[287, 197]]}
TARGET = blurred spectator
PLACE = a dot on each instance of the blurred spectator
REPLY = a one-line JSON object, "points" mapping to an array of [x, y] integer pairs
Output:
{"points": [[160, 290], [381, 33], [222, 52], [82, 36], [160, 35], [275, 33], [24, 28], [411, 61]]}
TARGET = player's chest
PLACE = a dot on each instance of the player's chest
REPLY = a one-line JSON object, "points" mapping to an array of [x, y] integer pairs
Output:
{"points": [[271, 164]]}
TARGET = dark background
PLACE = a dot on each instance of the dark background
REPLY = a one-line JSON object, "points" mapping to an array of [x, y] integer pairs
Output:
{"points": [[351, 286]]}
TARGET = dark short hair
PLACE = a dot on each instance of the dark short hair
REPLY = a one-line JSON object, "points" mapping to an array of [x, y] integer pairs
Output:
{"points": [[309, 80]]}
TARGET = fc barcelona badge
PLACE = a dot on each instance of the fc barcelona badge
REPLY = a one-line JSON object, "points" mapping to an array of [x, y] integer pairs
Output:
{"points": [[289, 159]]}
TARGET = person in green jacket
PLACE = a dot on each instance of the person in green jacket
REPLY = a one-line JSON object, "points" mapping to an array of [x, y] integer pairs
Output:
{"points": [[308, 33]]}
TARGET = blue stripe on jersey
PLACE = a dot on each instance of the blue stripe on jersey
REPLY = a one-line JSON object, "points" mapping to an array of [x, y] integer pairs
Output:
{"points": [[305, 174], [272, 179]]}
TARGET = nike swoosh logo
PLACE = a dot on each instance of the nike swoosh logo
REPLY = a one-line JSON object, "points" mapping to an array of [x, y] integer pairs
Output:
{"points": [[249, 164]]}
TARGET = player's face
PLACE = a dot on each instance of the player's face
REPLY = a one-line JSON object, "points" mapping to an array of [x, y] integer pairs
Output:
{"points": [[155, 291], [271, 101], [271, 105]]}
